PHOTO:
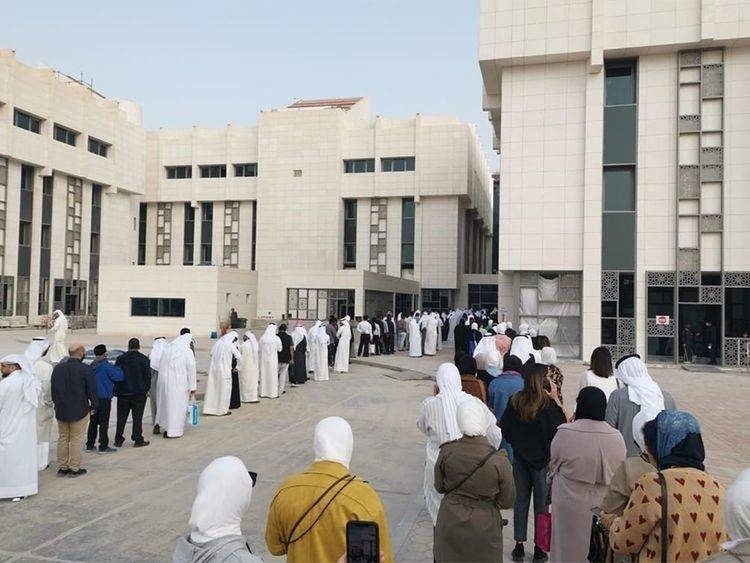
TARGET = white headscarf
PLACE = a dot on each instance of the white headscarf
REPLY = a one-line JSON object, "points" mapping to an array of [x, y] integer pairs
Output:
{"points": [[253, 341], [63, 320], [227, 344], [510, 324], [31, 386], [522, 348], [642, 390], [450, 396], [639, 420], [333, 441], [532, 333], [157, 349], [471, 418], [484, 346], [35, 350], [224, 493], [737, 510], [269, 335], [494, 360], [549, 356], [298, 335], [174, 349], [523, 328], [474, 326], [500, 328]]}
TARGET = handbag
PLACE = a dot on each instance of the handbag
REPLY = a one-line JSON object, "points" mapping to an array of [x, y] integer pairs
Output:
{"points": [[599, 549], [543, 531], [193, 414], [664, 515]]}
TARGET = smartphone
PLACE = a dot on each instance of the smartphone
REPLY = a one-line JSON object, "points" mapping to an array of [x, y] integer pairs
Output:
{"points": [[362, 542]]}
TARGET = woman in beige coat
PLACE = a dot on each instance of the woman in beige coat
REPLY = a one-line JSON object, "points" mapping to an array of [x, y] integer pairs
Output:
{"points": [[477, 482]]}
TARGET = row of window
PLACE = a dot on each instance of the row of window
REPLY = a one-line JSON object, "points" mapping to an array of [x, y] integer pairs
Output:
{"points": [[59, 133], [245, 170], [365, 165]]}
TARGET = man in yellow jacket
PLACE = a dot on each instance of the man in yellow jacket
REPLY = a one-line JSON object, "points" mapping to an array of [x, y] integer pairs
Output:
{"points": [[307, 518]]}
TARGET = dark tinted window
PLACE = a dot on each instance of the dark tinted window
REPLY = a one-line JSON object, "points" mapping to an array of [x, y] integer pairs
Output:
{"points": [[214, 171], [660, 301], [246, 170], [619, 84], [620, 135], [156, 307], [65, 135], [350, 233], [179, 172], [400, 164], [688, 295], [737, 311], [711, 278], [609, 331], [26, 121], [618, 242], [407, 233], [359, 166], [609, 308], [627, 295], [98, 147], [619, 188]]}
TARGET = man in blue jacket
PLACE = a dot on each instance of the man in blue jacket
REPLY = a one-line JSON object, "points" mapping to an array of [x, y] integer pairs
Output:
{"points": [[105, 376], [500, 391]]}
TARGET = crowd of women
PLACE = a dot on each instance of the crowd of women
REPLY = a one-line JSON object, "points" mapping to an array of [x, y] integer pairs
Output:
{"points": [[620, 475]]}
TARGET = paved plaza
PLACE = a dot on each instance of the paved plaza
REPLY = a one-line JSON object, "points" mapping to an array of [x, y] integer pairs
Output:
{"points": [[134, 503]]}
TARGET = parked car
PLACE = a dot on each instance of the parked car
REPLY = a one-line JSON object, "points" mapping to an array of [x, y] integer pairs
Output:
{"points": [[112, 356]]}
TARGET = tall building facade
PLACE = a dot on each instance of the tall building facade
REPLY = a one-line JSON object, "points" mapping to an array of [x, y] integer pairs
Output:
{"points": [[622, 130], [318, 209]]}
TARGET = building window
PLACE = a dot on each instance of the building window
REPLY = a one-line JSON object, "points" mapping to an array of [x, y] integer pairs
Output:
{"points": [[188, 238], [407, 233], [231, 234], [246, 170], [359, 166], [437, 299], [311, 304], [482, 296], [6, 296], [70, 296], [24, 233], [156, 307], [43, 307], [213, 171], [350, 233], [27, 121], [254, 233], [400, 164], [142, 225], [64, 135], [22, 303], [98, 147], [179, 172], [496, 224], [163, 233], [45, 246], [207, 225]]}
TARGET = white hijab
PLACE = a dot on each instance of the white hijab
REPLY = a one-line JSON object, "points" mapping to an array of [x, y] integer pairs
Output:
{"points": [[639, 420], [737, 510], [450, 396], [224, 493], [298, 335], [549, 356], [523, 329], [269, 336], [333, 441], [252, 340], [522, 348], [642, 390], [62, 318], [36, 349], [157, 349], [471, 418], [31, 386]]}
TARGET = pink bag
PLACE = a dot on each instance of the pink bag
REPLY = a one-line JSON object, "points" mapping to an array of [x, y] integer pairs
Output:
{"points": [[543, 531]]}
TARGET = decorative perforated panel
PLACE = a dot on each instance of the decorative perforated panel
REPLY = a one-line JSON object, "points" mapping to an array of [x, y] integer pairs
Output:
{"points": [[625, 351], [737, 279], [660, 279], [690, 58], [713, 81], [609, 286], [690, 123], [378, 232], [688, 181], [626, 331], [711, 223], [712, 155], [711, 294], [688, 259], [163, 233], [737, 352], [689, 278], [712, 173], [654, 329]]}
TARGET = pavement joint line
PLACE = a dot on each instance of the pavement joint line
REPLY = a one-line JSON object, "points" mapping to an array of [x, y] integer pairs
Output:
{"points": [[407, 522], [17, 554]]}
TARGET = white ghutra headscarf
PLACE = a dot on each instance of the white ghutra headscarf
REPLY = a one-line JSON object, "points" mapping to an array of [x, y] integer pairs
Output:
{"points": [[642, 390], [32, 387], [450, 396]]}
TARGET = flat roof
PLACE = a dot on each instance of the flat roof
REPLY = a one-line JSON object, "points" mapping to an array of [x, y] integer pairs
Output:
{"points": [[340, 103]]}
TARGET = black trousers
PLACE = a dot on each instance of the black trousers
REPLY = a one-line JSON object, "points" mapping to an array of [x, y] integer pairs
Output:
{"points": [[125, 405], [364, 344], [331, 353], [99, 422], [389, 341], [378, 345]]}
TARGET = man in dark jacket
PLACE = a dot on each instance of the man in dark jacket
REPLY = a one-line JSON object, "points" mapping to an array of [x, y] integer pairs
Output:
{"points": [[105, 377], [390, 336], [131, 392], [74, 395]]}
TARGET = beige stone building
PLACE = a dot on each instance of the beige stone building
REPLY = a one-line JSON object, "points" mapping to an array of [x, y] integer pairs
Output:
{"points": [[623, 130], [318, 209]]}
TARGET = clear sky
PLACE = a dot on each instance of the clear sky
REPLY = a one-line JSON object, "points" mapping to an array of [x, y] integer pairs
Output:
{"points": [[211, 62]]}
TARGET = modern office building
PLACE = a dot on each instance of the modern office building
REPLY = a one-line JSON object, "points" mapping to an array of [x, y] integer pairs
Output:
{"points": [[623, 130], [318, 209]]}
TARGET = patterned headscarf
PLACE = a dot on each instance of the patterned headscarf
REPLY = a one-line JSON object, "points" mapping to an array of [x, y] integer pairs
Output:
{"points": [[678, 440]]}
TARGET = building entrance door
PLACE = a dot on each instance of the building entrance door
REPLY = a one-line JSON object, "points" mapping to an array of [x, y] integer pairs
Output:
{"points": [[705, 339]]}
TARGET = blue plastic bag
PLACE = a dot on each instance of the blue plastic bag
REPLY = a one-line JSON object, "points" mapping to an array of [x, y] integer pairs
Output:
{"points": [[193, 414]]}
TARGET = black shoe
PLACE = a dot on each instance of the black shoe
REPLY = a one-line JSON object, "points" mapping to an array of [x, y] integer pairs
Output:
{"points": [[107, 450], [119, 442], [142, 444], [518, 554], [78, 473], [63, 472], [157, 430], [90, 448], [539, 556]]}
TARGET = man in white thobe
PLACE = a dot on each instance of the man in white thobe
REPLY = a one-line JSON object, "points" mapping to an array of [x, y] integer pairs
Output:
{"points": [[45, 412], [344, 336], [177, 384], [20, 394], [320, 345], [58, 332], [248, 368], [154, 358], [270, 346], [219, 384], [431, 334], [415, 336]]}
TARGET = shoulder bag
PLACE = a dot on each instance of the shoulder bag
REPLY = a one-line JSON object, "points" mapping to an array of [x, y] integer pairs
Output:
{"points": [[479, 465], [664, 515]]}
